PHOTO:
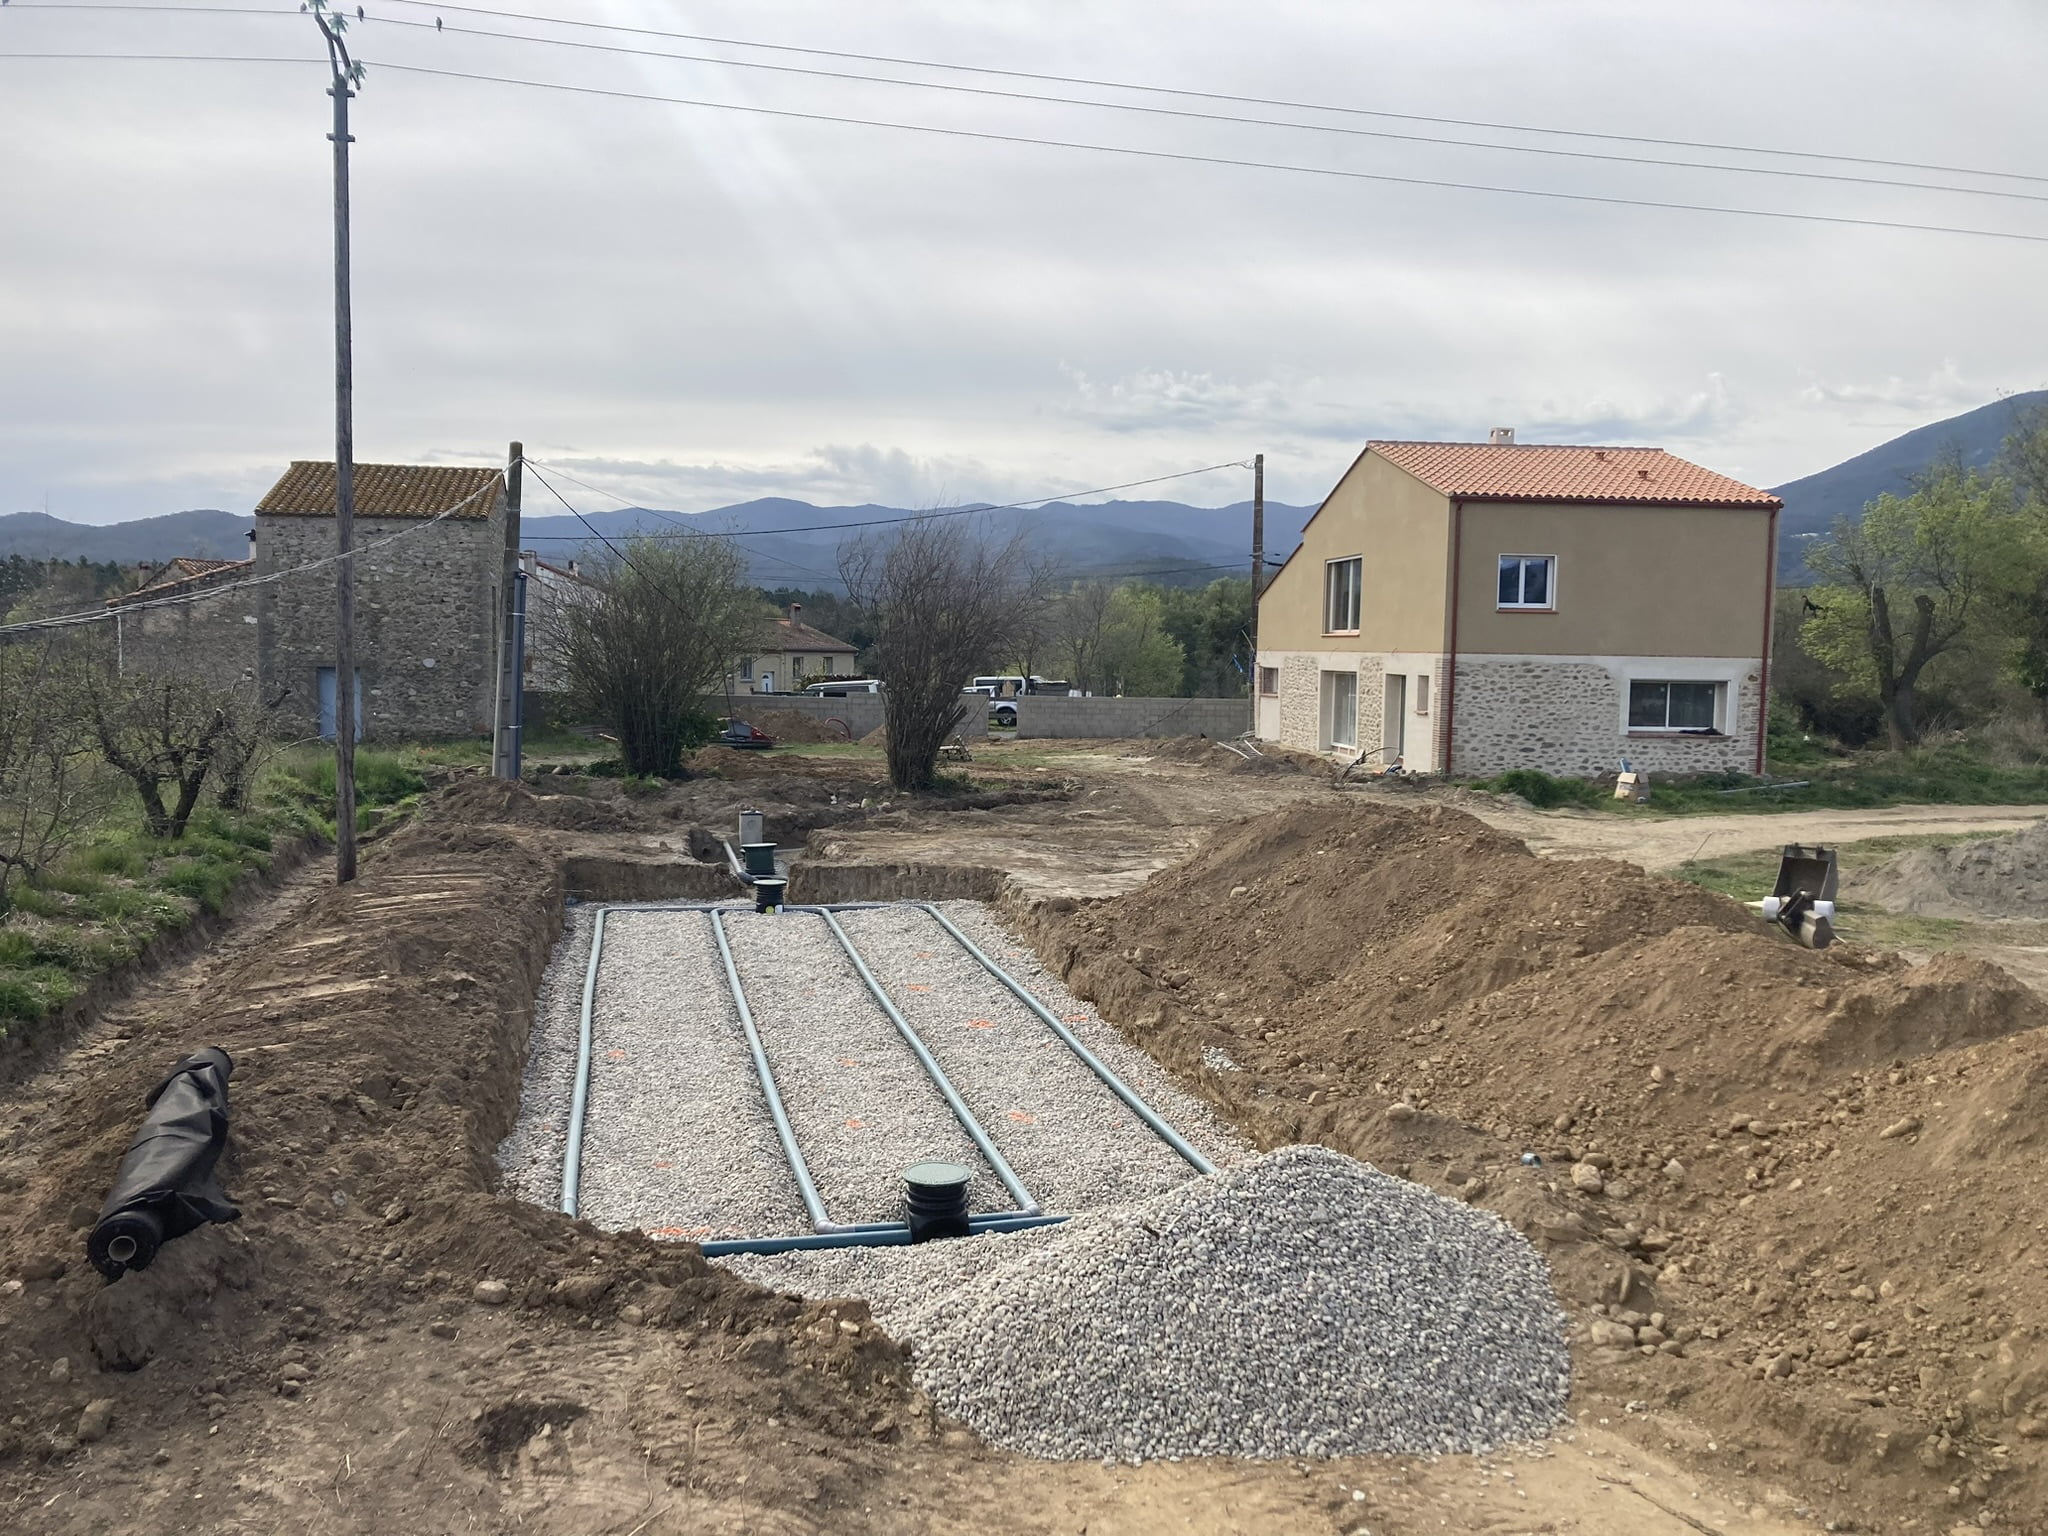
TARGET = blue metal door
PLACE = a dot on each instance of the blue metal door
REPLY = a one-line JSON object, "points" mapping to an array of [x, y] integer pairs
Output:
{"points": [[327, 703]]}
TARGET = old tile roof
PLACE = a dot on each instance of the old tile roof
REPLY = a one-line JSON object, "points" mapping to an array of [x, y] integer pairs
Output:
{"points": [[181, 571], [796, 635], [1560, 472], [387, 490]]}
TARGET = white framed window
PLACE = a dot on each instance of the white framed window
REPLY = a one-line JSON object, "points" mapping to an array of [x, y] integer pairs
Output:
{"points": [[1656, 704], [747, 669], [1340, 595], [1422, 693], [1528, 582], [1340, 709], [1269, 682]]}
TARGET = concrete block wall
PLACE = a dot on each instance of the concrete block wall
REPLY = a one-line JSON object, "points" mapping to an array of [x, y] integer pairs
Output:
{"points": [[862, 712], [1046, 718], [425, 622]]}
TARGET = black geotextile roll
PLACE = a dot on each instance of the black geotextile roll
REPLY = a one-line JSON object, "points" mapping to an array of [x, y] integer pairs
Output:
{"points": [[165, 1185]]}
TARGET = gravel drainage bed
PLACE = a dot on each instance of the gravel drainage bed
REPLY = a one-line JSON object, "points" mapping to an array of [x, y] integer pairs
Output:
{"points": [[1299, 1304], [678, 1139]]}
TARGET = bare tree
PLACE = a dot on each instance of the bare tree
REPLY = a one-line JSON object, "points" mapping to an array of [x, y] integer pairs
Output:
{"points": [[661, 625], [162, 733], [50, 789], [943, 600]]}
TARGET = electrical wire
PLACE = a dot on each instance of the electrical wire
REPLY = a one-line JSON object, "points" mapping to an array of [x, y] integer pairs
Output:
{"points": [[878, 522], [1180, 113], [102, 614], [1182, 157], [1242, 100]]}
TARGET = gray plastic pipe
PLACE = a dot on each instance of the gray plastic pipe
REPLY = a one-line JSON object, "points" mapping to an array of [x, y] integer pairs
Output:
{"points": [[1026, 1205], [814, 1205], [579, 1101], [1115, 1084], [882, 1235]]}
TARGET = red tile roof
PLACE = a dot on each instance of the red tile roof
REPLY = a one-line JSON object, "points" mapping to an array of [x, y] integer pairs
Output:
{"points": [[387, 490], [796, 635], [181, 571], [1559, 472]]}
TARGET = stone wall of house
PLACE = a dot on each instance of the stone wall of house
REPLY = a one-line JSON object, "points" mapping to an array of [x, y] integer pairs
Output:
{"points": [[425, 610], [212, 640], [1301, 703], [1564, 717]]}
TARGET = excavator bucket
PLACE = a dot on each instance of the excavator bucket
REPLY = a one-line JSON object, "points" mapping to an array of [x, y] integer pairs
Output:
{"points": [[1803, 901]]}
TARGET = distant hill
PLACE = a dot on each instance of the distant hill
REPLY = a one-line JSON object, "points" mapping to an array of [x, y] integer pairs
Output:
{"points": [[1813, 502], [206, 533], [788, 543]]}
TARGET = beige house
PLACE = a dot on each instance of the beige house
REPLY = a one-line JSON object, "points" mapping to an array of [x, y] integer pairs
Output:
{"points": [[793, 654], [1469, 608]]}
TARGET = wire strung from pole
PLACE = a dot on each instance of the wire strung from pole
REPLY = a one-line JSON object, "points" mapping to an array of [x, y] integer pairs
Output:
{"points": [[102, 614], [878, 522], [1179, 113], [1182, 157], [1257, 101]]}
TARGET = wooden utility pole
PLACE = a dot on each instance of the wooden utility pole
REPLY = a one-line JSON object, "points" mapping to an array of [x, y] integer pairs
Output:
{"points": [[346, 73], [504, 762], [1258, 533]]}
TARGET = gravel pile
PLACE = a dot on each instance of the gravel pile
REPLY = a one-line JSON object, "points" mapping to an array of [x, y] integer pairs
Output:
{"points": [[531, 1156], [1301, 1304]]}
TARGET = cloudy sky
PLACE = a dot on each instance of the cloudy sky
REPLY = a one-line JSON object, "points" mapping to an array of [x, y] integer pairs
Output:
{"points": [[690, 306]]}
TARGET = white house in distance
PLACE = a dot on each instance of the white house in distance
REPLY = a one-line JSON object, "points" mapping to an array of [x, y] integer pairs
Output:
{"points": [[792, 654], [1468, 608]]}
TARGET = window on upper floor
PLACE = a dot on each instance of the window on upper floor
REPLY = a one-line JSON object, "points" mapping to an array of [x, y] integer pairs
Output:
{"points": [[1664, 706], [1340, 596], [1528, 581]]}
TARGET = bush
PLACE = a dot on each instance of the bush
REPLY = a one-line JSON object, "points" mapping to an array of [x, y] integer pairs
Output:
{"points": [[123, 859], [1543, 791], [205, 881]]}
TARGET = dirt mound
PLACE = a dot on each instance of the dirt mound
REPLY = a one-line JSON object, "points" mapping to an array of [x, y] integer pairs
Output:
{"points": [[1997, 877], [379, 1035], [796, 726], [1208, 752], [480, 801], [1815, 1168]]}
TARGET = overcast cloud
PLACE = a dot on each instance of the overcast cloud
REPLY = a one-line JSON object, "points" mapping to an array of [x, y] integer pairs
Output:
{"points": [[691, 307]]}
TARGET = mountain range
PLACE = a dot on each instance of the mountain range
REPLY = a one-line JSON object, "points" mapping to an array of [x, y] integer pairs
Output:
{"points": [[793, 543]]}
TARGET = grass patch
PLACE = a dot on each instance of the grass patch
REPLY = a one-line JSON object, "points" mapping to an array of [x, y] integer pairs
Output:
{"points": [[1749, 876]]}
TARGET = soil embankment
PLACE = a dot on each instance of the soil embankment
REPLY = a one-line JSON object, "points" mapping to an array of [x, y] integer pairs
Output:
{"points": [[1814, 1170]]}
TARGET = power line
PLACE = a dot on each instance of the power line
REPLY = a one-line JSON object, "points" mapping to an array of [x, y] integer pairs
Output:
{"points": [[1177, 156], [103, 613], [1179, 113], [878, 522], [1257, 101]]}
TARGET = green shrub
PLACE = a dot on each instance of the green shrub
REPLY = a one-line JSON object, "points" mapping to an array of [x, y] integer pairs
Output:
{"points": [[42, 903], [32, 992], [1543, 791], [139, 904], [205, 881], [122, 858], [16, 948]]}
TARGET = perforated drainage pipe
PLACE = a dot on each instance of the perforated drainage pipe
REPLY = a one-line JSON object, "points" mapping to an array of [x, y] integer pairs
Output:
{"points": [[1110, 1080], [579, 1100]]}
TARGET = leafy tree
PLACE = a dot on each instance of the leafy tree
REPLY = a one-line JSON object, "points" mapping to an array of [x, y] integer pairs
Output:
{"points": [[945, 602], [1212, 625], [1907, 584], [662, 624]]}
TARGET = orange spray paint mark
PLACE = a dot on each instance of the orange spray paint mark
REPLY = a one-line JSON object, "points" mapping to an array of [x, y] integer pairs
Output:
{"points": [[981, 1024], [856, 1125], [1022, 1118]]}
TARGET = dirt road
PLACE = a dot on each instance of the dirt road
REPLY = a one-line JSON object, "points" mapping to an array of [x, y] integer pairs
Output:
{"points": [[1667, 842]]}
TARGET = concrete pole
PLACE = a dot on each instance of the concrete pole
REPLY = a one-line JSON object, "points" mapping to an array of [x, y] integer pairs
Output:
{"points": [[344, 486], [505, 711]]}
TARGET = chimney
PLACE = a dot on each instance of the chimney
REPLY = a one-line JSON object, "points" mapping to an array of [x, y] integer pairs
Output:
{"points": [[572, 565], [794, 610], [1501, 436]]}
